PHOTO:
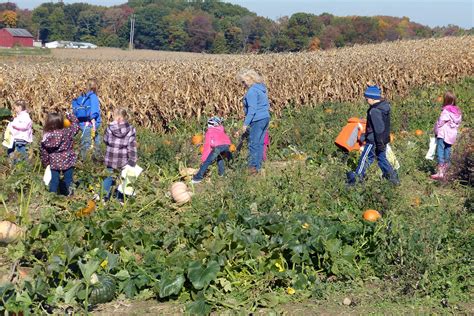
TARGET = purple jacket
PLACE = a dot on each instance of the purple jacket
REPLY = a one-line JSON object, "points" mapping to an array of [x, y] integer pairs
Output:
{"points": [[57, 149], [448, 123], [121, 142]]}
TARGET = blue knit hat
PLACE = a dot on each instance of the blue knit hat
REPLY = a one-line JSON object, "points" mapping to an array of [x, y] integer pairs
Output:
{"points": [[373, 92], [214, 121]]}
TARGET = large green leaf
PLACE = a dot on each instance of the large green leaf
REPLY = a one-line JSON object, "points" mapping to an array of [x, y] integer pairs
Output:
{"points": [[201, 276], [171, 285], [88, 269], [198, 307], [111, 225]]}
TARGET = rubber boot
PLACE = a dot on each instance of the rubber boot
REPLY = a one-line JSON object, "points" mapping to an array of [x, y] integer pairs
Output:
{"points": [[439, 175]]}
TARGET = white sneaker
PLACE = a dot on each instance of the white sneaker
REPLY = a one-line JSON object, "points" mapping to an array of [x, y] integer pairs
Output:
{"points": [[195, 181]]}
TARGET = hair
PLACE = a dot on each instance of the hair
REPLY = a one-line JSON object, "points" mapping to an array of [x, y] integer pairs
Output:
{"points": [[449, 98], [122, 112], [92, 84], [23, 104], [249, 77], [54, 121]]}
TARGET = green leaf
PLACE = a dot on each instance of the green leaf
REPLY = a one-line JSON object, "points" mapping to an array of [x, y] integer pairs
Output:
{"points": [[201, 277], [348, 253], [333, 246], [122, 275], [71, 252], [88, 269], [198, 307], [70, 294], [171, 285], [111, 225]]}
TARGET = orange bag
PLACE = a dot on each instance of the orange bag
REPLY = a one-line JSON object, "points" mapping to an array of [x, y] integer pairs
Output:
{"points": [[349, 136]]}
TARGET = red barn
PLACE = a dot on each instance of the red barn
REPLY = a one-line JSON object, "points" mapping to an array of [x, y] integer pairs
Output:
{"points": [[10, 37]]}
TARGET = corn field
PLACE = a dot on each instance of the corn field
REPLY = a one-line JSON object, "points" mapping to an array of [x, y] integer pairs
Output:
{"points": [[160, 90]]}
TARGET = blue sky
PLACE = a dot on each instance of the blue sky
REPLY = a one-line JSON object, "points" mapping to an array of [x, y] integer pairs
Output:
{"points": [[428, 12]]}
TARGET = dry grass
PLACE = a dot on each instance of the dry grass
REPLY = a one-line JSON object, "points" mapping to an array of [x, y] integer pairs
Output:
{"points": [[159, 87]]}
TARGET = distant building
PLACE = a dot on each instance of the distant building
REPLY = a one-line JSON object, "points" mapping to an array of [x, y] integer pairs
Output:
{"points": [[69, 44], [10, 37]]}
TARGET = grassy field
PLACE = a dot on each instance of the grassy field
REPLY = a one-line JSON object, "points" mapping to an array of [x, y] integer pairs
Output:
{"points": [[21, 52], [289, 241]]}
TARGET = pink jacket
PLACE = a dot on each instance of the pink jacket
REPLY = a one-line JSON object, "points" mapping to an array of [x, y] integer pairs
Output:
{"points": [[22, 127], [448, 123], [215, 136]]}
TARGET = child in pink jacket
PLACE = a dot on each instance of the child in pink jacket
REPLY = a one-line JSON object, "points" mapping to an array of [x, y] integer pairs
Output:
{"points": [[21, 130], [216, 147], [446, 130]]}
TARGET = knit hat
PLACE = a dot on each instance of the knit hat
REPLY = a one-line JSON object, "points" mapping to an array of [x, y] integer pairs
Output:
{"points": [[373, 92], [214, 121]]}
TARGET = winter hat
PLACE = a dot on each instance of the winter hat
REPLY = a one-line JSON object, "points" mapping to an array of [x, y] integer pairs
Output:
{"points": [[214, 121], [373, 92]]}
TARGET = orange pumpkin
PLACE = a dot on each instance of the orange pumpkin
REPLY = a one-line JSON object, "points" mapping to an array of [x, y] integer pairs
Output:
{"points": [[197, 139], [418, 132], [201, 149], [416, 201], [87, 210], [392, 137], [67, 123], [371, 215], [440, 99], [232, 148]]}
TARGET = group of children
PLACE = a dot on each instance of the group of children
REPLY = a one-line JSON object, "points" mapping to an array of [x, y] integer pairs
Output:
{"points": [[57, 144]]}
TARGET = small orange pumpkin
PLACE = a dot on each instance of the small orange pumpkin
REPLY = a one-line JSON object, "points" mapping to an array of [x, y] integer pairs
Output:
{"points": [[440, 99], [371, 215], [416, 201], [392, 137], [197, 139], [87, 210], [232, 148], [67, 123], [201, 149], [418, 132]]}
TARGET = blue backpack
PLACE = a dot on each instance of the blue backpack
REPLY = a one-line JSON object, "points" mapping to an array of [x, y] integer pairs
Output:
{"points": [[80, 109]]}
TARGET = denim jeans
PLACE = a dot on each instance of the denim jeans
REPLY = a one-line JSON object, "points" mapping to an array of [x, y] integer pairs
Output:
{"points": [[107, 185], [21, 148], [366, 159], [443, 151], [256, 142], [218, 153], [55, 180], [86, 141]]}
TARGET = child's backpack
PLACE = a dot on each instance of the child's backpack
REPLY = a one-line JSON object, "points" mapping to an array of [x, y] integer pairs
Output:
{"points": [[349, 136], [80, 109]]}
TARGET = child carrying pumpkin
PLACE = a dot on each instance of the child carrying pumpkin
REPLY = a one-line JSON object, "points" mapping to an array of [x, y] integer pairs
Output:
{"points": [[216, 148], [57, 150], [120, 139], [21, 130], [377, 137], [446, 130]]}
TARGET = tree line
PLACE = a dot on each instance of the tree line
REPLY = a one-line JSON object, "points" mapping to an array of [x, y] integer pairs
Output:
{"points": [[210, 26]]}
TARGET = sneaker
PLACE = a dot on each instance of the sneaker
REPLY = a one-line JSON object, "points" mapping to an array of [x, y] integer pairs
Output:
{"points": [[195, 181], [96, 197]]}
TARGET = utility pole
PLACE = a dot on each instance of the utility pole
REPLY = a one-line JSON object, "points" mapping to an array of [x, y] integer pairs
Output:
{"points": [[132, 31]]}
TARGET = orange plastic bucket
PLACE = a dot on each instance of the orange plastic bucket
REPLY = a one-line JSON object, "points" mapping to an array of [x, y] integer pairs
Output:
{"points": [[350, 134]]}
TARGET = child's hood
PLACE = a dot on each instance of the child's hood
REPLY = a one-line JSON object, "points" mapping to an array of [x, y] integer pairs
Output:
{"points": [[120, 130], [216, 129], [454, 113]]}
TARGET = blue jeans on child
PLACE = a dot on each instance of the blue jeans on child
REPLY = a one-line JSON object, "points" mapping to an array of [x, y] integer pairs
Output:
{"points": [[55, 180], [366, 159], [21, 147], [218, 153], [107, 185], [443, 151], [256, 142], [86, 141]]}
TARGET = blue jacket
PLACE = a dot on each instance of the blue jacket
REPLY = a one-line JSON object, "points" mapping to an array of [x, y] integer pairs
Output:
{"points": [[256, 104], [93, 102]]}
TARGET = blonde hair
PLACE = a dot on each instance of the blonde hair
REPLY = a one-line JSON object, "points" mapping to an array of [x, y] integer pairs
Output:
{"points": [[249, 77], [121, 112]]}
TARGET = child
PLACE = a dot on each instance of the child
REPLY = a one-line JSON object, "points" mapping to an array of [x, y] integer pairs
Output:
{"points": [[216, 147], [446, 130], [120, 138], [377, 136], [57, 150], [21, 130], [87, 109]]}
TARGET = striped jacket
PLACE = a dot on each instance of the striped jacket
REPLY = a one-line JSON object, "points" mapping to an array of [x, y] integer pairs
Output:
{"points": [[120, 139]]}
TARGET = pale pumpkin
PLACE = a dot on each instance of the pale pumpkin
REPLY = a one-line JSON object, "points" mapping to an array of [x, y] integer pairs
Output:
{"points": [[180, 193], [187, 172], [9, 232]]}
